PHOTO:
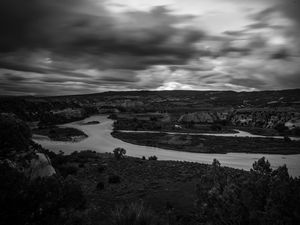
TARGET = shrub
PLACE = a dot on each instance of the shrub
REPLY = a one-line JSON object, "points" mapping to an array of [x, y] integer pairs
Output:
{"points": [[296, 131], [81, 165], [67, 169], [48, 200], [287, 139], [101, 168], [281, 128], [14, 134], [100, 185], [114, 179], [262, 167], [72, 193], [216, 127], [263, 196], [119, 153], [133, 214], [143, 158], [152, 158]]}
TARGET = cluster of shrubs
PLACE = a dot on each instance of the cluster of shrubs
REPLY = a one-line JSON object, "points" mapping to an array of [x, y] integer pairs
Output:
{"points": [[119, 153], [114, 179], [263, 196], [150, 157], [15, 135], [136, 124], [133, 214], [49, 200]]}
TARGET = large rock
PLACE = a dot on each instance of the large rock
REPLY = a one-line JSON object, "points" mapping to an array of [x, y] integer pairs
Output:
{"points": [[40, 166]]}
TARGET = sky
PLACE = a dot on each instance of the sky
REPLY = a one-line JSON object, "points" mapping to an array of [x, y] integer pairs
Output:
{"points": [[64, 47]]}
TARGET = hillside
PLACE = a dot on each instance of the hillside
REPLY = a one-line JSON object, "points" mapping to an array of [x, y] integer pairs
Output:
{"points": [[31, 108]]}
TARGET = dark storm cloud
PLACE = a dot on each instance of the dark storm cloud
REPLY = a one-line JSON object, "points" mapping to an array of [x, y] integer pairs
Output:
{"points": [[291, 10], [56, 42], [288, 8], [281, 54], [21, 67], [230, 49], [12, 77], [235, 33], [257, 25], [74, 29]]}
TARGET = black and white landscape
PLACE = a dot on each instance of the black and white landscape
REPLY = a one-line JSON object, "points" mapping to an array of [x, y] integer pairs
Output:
{"points": [[149, 112]]}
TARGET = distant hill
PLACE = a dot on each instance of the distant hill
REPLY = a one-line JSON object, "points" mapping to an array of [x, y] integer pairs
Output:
{"points": [[29, 107]]}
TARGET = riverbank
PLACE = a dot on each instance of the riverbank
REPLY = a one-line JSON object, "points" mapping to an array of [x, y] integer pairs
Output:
{"points": [[210, 144]]}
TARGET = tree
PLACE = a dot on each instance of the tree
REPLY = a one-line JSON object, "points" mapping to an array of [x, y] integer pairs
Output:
{"points": [[14, 134], [262, 167], [152, 157], [263, 196], [48, 200], [280, 128], [119, 153]]}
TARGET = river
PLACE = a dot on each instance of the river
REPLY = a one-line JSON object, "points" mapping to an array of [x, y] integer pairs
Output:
{"points": [[99, 139]]}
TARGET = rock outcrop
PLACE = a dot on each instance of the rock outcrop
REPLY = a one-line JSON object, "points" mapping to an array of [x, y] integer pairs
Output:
{"points": [[40, 166]]}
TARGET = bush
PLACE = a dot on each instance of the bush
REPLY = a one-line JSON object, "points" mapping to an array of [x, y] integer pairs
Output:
{"points": [[114, 179], [14, 134], [81, 165], [67, 169], [263, 196], [101, 168], [152, 158], [296, 131], [72, 193], [47, 201], [281, 128], [100, 185], [287, 139], [133, 214], [216, 127], [119, 153]]}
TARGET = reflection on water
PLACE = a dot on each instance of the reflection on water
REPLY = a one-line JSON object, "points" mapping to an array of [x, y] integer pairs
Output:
{"points": [[99, 139]]}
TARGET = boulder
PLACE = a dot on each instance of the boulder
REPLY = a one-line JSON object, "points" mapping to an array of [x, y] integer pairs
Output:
{"points": [[40, 166]]}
